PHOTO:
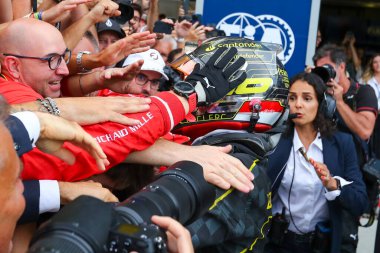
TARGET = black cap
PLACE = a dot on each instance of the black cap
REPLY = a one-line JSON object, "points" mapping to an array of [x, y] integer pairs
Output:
{"points": [[110, 25]]}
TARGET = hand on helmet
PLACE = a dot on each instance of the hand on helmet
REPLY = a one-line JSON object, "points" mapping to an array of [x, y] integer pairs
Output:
{"points": [[218, 77]]}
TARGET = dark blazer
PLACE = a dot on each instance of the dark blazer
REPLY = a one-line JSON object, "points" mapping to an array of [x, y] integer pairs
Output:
{"points": [[21, 140], [340, 157], [23, 144]]}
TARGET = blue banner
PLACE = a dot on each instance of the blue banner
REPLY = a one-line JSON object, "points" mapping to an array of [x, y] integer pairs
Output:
{"points": [[277, 21]]}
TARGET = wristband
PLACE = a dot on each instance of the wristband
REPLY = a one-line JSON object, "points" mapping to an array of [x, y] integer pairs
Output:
{"points": [[40, 15], [192, 100], [80, 66]]}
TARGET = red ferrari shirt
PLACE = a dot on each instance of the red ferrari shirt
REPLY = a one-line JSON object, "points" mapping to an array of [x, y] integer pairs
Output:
{"points": [[116, 140]]}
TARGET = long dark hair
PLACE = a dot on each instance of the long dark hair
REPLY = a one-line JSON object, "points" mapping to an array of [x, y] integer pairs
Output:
{"points": [[325, 126]]}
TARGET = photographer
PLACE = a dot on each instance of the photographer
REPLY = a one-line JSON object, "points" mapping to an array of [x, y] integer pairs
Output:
{"points": [[356, 114], [356, 104], [314, 173]]}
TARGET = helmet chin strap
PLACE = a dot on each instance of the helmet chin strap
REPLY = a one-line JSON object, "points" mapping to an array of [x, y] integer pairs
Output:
{"points": [[255, 107]]}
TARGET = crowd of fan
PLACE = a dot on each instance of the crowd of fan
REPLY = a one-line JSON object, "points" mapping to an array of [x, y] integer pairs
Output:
{"points": [[108, 56]]}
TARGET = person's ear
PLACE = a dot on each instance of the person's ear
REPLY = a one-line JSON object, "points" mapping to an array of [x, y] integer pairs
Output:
{"points": [[12, 65], [342, 67]]}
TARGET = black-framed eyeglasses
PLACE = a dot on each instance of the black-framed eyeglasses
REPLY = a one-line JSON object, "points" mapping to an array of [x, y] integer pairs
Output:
{"points": [[135, 19], [54, 59], [142, 79]]}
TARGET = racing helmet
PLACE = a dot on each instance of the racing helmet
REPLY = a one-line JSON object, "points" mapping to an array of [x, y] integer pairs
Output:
{"points": [[258, 104]]}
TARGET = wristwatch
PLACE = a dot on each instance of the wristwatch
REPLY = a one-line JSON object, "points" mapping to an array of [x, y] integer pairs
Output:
{"points": [[183, 89], [81, 68], [186, 90]]}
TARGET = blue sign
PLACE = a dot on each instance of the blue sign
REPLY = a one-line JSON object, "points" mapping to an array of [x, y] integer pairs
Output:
{"points": [[283, 22]]}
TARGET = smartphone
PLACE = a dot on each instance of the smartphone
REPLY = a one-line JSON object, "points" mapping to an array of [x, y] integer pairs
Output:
{"points": [[215, 33], [192, 19], [162, 27]]}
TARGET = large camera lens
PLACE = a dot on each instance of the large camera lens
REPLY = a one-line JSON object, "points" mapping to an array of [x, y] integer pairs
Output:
{"points": [[80, 227], [326, 72], [180, 192], [83, 226]]}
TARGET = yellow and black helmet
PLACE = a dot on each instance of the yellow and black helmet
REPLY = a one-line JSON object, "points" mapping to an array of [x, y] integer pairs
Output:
{"points": [[264, 91]]}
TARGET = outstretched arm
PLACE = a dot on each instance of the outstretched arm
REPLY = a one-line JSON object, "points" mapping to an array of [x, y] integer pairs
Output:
{"points": [[92, 110], [115, 79], [135, 43], [102, 10], [55, 131], [219, 167], [50, 132]]}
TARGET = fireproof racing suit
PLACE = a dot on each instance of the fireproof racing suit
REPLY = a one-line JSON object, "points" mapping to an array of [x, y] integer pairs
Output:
{"points": [[237, 221]]}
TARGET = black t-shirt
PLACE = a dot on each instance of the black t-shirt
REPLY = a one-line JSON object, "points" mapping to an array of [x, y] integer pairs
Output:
{"points": [[359, 98]]}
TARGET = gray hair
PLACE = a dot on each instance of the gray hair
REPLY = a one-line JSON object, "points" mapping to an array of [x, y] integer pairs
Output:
{"points": [[336, 54]]}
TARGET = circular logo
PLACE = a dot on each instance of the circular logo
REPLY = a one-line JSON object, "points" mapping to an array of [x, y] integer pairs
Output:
{"points": [[154, 56], [264, 28]]}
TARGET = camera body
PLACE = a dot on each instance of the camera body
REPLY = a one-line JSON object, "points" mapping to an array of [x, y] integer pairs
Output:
{"points": [[328, 104], [326, 72], [181, 192], [144, 238]]}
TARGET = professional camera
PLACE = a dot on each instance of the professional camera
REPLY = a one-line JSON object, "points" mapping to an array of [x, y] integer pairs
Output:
{"points": [[90, 225], [126, 11], [326, 72]]}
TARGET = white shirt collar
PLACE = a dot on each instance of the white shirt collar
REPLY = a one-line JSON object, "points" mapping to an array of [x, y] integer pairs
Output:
{"points": [[297, 144]]}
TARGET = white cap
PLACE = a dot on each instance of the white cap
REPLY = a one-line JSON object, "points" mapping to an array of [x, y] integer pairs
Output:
{"points": [[152, 61]]}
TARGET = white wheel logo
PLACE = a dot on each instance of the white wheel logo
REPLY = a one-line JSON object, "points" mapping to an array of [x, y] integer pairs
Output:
{"points": [[265, 28]]}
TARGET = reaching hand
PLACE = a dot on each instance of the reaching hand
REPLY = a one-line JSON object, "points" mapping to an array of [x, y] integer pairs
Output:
{"points": [[182, 28], [56, 130], [118, 79], [62, 10], [198, 32], [224, 172], [103, 10], [218, 77], [71, 190], [135, 43]]}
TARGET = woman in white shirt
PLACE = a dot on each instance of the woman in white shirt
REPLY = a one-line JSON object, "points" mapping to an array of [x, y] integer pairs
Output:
{"points": [[314, 175]]}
